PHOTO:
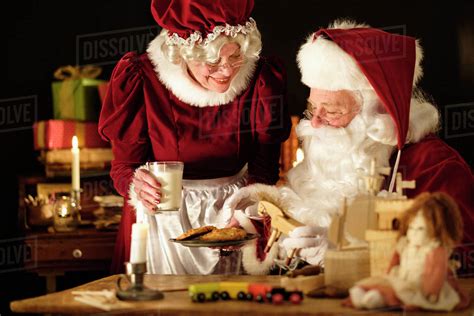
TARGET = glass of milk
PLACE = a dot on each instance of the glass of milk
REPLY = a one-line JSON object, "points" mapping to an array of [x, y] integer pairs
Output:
{"points": [[170, 175]]}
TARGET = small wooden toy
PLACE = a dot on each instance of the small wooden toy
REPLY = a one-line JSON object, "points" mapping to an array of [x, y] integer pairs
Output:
{"points": [[369, 217], [281, 223], [303, 283]]}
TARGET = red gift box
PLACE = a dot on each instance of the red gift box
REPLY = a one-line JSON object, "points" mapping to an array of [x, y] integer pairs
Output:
{"points": [[57, 134]]}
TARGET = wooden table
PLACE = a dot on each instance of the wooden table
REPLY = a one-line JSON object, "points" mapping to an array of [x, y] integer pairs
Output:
{"points": [[177, 302]]}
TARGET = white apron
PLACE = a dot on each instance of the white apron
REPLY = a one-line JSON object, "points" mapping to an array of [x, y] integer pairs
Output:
{"points": [[201, 205]]}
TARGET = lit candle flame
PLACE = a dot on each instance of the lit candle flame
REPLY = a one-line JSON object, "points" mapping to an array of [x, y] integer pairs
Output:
{"points": [[75, 142], [64, 211]]}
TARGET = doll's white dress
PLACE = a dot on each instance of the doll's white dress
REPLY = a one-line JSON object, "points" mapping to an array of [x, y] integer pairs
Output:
{"points": [[407, 277]]}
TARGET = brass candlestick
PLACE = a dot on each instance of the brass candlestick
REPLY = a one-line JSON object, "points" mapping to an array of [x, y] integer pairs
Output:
{"points": [[137, 291], [76, 202]]}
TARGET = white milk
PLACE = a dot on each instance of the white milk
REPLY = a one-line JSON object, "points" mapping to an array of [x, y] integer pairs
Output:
{"points": [[170, 178]]}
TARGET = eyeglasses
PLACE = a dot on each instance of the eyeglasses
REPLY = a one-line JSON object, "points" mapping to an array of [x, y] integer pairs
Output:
{"points": [[325, 115], [233, 62]]}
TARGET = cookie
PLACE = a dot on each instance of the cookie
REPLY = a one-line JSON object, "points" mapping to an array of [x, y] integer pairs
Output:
{"points": [[224, 234], [195, 232]]}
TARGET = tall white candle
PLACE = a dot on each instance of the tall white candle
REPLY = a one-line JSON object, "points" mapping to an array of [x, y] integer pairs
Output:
{"points": [[75, 168], [139, 242]]}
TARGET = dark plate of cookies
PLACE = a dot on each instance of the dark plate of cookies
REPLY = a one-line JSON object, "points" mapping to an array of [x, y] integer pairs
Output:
{"points": [[210, 236]]}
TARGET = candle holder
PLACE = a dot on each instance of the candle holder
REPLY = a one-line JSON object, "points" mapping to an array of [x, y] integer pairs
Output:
{"points": [[76, 202], [65, 213], [137, 291]]}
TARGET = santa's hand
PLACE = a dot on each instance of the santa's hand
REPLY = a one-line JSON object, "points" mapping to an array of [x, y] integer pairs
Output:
{"points": [[310, 241]]}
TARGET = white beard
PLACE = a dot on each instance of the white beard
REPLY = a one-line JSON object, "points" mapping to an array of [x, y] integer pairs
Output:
{"points": [[334, 163]]}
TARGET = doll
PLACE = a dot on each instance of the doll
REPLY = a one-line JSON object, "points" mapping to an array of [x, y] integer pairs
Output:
{"points": [[419, 275]]}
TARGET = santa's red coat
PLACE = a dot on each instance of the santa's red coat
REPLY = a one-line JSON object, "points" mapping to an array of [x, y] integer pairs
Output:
{"points": [[437, 167]]}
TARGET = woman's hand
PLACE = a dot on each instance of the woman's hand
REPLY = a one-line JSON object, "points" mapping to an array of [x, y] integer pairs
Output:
{"points": [[147, 188], [233, 223]]}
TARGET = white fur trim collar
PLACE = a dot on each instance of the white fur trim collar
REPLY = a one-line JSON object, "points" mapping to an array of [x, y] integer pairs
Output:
{"points": [[244, 222], [177, 80]]}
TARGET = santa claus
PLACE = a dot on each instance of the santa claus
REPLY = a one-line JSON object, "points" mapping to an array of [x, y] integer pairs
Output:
{"points": [[363, 104]]}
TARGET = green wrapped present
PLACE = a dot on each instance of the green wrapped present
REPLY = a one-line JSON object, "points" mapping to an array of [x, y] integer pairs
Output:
{"points": [[76, 96]]}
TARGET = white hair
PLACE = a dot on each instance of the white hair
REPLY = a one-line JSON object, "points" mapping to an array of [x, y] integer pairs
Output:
{"points": [[250, 45], [424, 118]]}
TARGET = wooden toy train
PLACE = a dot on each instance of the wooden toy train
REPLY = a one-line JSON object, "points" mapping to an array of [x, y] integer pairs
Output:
{"points": [[243, 291]]}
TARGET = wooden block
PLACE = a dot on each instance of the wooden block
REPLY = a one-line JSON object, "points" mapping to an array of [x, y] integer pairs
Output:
{"points": [[303, 283], [381, 246], [343, 268]]}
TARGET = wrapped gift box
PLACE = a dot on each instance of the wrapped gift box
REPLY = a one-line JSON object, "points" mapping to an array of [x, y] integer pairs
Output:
{"points": [[57, 134], [76, 99]]}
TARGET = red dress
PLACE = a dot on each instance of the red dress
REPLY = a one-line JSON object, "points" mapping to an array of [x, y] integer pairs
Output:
{"points": [[437, 167], [144, 121]]}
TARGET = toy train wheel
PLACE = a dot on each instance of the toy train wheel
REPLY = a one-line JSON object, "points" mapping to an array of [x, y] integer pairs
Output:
{"points": [[259, 298], [215, 296], [277, 299], [225, 295], [295, 298], [249, 296], [241, 296], [269, 296], [201, 297]]}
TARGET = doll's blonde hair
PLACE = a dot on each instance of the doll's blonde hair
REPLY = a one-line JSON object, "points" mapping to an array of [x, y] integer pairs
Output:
{"points": [[442, 216]]}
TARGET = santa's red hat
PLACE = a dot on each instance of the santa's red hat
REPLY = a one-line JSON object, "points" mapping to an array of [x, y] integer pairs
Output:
{"points": [[198, 22], [350, 56]]}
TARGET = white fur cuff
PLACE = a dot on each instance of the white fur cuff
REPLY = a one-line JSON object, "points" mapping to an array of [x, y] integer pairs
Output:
{"points": [[252, 264], [245, 222]]}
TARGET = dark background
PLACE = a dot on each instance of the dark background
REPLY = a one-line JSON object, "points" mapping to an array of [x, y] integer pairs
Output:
{"points": [[39, 36]]}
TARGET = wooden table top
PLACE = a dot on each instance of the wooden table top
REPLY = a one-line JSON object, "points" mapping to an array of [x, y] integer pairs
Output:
{"points": [[177, 301]]}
